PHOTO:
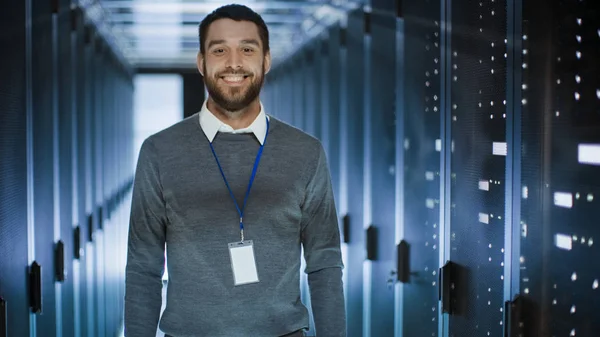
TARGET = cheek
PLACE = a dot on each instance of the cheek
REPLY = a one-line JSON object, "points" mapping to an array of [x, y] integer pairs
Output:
{"points": [[211, 68], [258, 69]]}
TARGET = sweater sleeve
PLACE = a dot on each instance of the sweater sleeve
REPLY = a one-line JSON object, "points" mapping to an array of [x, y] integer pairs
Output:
{"points": [[145, 248], [321, 242]]}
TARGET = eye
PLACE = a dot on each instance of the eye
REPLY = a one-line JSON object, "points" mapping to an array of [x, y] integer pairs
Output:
{"points": [[247, 50], [218, 51]]}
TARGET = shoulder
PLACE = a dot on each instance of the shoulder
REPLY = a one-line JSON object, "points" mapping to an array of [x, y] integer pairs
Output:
{"points": [[297, 150], [175, 137], [295, 139]]}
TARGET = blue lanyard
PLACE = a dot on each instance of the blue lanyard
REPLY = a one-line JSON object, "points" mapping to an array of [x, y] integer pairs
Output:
{"points": [[241, 211]]}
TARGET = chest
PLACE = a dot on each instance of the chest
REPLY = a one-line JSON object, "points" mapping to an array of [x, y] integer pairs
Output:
{"points": [[199, 204]]}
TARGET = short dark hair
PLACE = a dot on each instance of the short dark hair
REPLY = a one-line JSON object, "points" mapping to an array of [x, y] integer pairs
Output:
{"points": [[238, 13]]}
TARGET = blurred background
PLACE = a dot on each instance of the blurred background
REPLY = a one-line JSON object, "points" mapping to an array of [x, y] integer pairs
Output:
{"points": [[463, 138]]}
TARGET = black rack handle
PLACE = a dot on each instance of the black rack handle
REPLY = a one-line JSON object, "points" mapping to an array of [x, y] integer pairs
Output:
{"points": [[446, 287], [403, 261], [60, 261], [507, 322], [77, 243], [90, 224], [346, 228], [35, 288], [100, 212], [3, 319], [371, 243]]}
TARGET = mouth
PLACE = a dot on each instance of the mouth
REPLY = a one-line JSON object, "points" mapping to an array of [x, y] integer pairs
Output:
{"points": [[234, 79]]}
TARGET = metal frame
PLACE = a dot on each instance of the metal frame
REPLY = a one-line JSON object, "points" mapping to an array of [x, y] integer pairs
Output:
{"points": [[446, 153], [292, 25], [513, 160]]}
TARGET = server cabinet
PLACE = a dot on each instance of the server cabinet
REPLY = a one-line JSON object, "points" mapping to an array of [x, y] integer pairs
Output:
{"points": [[113, 201], [66, 138], [476, 112], [290, 69], [90, 73], [268, 93], [14, 120], [286, 100], [342, 140], [81, 230], [107, 185], [290, 94], [111, 164], [354, 231], [305, 101], [112, 275], [319, 74], [278, 92], [298, 91], [330, 106], [380, 170], [43, 91], [275, 83], [99, 111], [272, 87], [559, 115], [76, 39], [310, 90], [420, 79]]}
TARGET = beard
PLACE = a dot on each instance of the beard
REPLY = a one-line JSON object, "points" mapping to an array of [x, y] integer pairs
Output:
{"points": [[234, 99]]}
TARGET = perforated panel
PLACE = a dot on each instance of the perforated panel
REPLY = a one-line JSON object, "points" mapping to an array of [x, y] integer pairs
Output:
{"points": [[298, 90], [319, 74], [311, 87], [477, 89], [560, 167], [330, 107], [98, 125], [107, 165], [82, 186], [13, 169], [88, 265], [380, 159], [66, 111], [43, 95], [354, 138], [422, 126]]}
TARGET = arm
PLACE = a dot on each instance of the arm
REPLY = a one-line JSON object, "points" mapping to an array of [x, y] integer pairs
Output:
{"points": [[321, 242], [145, 248]]}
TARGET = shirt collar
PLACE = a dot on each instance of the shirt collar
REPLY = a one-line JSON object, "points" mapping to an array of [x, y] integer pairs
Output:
{"points": [[211, 125]]}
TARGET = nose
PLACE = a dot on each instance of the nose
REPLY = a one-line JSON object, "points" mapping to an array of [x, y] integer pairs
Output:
{"points": [[234, 60]]}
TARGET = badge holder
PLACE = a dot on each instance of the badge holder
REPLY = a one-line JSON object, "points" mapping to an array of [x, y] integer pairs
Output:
{"points": [[243, 263], [241, 253]]}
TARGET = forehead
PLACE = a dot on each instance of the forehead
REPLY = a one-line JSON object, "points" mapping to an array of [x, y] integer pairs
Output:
{"points": [[232, 31]]}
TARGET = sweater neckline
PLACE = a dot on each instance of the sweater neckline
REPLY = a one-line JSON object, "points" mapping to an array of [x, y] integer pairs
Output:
{"points": [[239, 137]]}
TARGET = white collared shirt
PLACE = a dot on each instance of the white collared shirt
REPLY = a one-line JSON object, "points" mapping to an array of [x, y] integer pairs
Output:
{"points": [[211, 125]]}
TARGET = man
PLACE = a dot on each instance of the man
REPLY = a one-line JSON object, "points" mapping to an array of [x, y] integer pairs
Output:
{"points": [[233, 194]]}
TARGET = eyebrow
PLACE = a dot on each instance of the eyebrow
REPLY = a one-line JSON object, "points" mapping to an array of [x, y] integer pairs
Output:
{"points": [[251, 41], [247, 41], [214, 42]]}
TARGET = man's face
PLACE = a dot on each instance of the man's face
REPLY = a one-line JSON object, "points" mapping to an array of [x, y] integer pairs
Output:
{"points": [[233, 64]]}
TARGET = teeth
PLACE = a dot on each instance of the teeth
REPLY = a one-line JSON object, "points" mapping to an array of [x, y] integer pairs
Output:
{"points": [[233, 78]]}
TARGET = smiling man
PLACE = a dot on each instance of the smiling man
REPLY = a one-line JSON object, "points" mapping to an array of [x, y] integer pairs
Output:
{"points": [[233, 194]]}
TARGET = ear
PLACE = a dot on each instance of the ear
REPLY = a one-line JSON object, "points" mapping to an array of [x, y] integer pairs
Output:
{"points": [[267, 62], [199, 62]]}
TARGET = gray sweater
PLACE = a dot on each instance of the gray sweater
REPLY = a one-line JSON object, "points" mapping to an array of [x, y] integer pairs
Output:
{"points": [[181, 200]]}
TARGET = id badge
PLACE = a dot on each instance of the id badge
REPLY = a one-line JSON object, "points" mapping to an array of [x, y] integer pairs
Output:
{"points": [[243, 263]]}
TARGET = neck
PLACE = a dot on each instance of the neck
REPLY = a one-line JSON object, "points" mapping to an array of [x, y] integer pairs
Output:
{"points": [[236, 119]]}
